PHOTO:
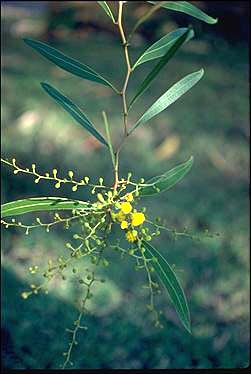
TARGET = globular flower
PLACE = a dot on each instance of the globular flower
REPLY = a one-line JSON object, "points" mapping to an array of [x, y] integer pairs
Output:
{"points": [[131, 236], [124, 225], [138, 218], [120, 216], [129, 197], [126, 207]]}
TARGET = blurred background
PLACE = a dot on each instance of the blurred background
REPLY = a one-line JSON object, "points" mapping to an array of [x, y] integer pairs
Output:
{"points": [[211, 122]]}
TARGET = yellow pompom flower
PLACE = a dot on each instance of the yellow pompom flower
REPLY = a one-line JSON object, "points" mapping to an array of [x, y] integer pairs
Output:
{"points": [[126, 208], [138, 218], [120, 216], [129, 197], [124, 225], [131, 236]]}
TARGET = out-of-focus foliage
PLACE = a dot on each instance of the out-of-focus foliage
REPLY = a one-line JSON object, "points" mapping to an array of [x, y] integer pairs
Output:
{"points": [[211, 123]]}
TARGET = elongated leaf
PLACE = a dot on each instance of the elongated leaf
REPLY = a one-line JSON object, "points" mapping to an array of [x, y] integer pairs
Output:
{"points": [[171, 283], [74, 111], [166, 180], [170, 96], [144, 18], [162, 46], [108, 135], [107, 9], [164, 60], [187, 8], [35, 204], [67, 63]]}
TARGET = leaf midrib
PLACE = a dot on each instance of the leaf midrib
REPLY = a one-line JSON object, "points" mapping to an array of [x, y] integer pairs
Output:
{"points": [[83, 67]]}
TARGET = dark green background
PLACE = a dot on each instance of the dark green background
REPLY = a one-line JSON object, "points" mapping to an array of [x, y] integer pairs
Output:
{"points": [[211, 122]]}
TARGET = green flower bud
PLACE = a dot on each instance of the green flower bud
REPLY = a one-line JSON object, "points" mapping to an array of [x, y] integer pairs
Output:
{"points": [[25, 295], [105, 262], [70, 173], [100, 198]]}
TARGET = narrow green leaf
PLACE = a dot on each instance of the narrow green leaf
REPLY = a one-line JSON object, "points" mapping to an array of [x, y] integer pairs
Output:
{"points": [[144, 18], [35, 204], [170, 96], [187, 8], [67, 63], [107, 9], [166, 180], [164, 60], [162, 46], [74, 111], [171, 283], [108, 135]]}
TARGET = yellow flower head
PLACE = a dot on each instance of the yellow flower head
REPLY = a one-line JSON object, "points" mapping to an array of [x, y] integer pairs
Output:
{"points": [[124, 225], [138, 218], [129, 197], [120, 216], [126, 208], [131, 236]]}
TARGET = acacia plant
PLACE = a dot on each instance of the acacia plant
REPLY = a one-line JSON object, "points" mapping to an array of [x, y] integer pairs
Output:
{"points": [[112, 219]]}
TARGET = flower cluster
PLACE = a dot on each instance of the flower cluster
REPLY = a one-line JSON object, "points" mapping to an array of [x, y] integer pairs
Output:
{"points": [[128, 218], [92, 222]]}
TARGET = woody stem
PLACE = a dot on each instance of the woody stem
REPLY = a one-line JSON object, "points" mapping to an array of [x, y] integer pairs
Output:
{"points": [[123, 92]]}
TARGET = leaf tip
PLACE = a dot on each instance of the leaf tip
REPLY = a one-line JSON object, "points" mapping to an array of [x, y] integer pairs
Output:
{"points": [[191, 159], [44, 85], [214, 21], [187, 323], [188, 328], [201, 72], [191, 33], [28, 41], [189, 162]]}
